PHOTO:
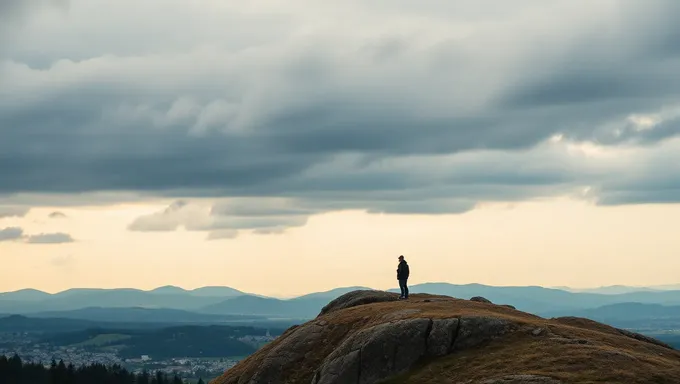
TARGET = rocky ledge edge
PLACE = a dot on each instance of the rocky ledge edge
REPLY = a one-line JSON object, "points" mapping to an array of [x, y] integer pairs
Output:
{"points": [[378, 352]]}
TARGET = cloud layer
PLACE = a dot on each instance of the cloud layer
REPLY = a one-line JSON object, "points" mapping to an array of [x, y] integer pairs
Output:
{"points": [[11, 234], [13, 211], [386, 107], [224, 219], [50, 238], [17, 234]]}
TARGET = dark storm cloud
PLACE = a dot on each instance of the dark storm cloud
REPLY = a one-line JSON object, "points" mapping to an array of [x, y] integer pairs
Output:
{"points": [[9, 8], [13, 12], [283, 117]]}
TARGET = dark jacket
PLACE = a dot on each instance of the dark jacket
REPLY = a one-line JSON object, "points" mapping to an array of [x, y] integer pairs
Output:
{"points": [[402, 270]]}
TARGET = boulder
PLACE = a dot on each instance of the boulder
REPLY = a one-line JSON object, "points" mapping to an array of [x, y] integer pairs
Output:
{"points": [[481, 299], [293, 348], [376, 353], [356, 298], [441, 337], [473, 331]]}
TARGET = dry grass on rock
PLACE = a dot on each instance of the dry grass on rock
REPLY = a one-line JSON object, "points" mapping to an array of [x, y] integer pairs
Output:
{"points": [[569, 350]]}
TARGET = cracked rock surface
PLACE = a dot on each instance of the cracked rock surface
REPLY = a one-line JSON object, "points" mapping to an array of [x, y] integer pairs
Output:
{"points": [[376, 353], [367, 337]]}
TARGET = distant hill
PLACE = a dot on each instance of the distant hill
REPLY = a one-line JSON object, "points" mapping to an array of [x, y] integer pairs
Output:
{"points": [[666, 287], [253, 305], [216, 292], [136, 315], [19, 323], [612, 289], [31, 301], [627, 311], [229, 301], [330, 295], [202, 292], [25, 295], [619, 289], [52, 325], [169, 290], [645, 318], [528, 298]]}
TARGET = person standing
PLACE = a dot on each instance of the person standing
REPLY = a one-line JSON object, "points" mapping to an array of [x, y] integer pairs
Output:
{"points": [[402, 275]]}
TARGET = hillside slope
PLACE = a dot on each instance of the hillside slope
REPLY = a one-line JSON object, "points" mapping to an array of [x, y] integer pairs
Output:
{"points": [[368, 337]]}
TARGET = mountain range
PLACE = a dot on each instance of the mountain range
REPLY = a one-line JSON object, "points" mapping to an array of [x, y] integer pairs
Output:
{"points": [[32, 301], [618, 289], [224, 304]]}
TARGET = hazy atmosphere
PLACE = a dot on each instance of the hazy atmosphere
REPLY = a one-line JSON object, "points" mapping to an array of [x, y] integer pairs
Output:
{"points": [[282, 148]]}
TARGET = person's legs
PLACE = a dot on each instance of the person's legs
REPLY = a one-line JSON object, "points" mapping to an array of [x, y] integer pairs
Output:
{"points": [[401, 286], [406, 289]]}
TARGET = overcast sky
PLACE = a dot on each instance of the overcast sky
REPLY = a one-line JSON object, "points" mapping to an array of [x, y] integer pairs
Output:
{"points": [[283, 147]]}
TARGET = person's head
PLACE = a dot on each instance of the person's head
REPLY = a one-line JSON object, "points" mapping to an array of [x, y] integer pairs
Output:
{"points": [[401, 258]]}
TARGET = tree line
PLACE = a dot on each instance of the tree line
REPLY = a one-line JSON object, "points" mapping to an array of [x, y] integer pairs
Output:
{"points": [[15, 371]]}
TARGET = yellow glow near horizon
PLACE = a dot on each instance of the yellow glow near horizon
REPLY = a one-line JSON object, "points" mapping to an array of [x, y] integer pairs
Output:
{"points": [[548, 243]]}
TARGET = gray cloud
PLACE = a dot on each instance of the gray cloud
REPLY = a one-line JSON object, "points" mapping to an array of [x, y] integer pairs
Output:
{"points": [[259, 207], [17, 234], [458, 107], [15, 13], [225, 219], [13, 211], [178, 214], [11, 234], [57, 215], [49, 238], [222, 234]]}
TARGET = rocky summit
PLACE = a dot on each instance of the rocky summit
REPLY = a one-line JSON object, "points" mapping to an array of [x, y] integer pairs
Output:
{"points": [[366, 337]]}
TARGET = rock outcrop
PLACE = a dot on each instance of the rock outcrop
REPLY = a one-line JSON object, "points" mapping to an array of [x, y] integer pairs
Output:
{"points": [[355, 298], [376, 353], [480, 299], [367, 337]]}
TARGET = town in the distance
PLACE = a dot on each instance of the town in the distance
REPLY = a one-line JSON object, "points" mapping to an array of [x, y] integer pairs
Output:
{"points": [[198, 334]]}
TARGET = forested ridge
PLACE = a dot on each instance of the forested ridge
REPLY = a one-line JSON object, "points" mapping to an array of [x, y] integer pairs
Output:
{"points": [[15, 371]]}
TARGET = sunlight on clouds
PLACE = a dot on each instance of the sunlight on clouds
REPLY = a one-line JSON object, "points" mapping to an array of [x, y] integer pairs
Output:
{"points": [[541, 242], [496, 142], [644, 122]]}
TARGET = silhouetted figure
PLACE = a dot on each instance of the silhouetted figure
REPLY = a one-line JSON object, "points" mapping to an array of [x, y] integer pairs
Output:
{"points": [[402, 276]]}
